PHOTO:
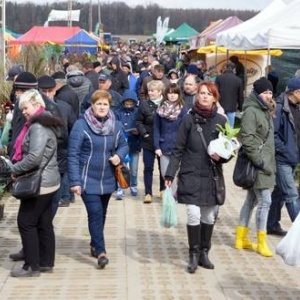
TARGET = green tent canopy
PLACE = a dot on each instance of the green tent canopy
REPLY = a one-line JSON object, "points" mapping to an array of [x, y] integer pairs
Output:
{"points": [[181, 34]]}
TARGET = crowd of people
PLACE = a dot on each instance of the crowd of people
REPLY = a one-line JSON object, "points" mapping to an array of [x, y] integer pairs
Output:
{"points": [[80, 122]]}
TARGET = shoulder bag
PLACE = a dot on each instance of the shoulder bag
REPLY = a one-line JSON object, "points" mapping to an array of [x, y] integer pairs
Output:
{"points": [[28, 185], [219, 189], [245, 173]]}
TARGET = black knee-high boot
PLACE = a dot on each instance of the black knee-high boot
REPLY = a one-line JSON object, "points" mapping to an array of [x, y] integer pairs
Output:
{"points": [[193, 238], [205, 245]]}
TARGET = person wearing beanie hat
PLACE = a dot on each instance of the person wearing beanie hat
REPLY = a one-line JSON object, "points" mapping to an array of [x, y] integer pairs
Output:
{"points": [[257, 138], [287, 142], [262, 85], [25, 81]]}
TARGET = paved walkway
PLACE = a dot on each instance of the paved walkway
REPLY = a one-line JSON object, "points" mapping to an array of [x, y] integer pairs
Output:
{"points": [[147, 262]]}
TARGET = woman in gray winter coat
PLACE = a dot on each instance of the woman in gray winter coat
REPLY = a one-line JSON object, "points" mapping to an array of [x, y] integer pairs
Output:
{"points": [[36, 148]]}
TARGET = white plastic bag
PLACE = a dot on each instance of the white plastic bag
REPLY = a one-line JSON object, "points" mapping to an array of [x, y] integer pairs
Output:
{"points": [[289, 247], [168, 217], [223, 146]]}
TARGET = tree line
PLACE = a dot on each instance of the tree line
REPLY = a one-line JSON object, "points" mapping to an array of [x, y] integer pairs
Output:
{"points": [[117, 17]]}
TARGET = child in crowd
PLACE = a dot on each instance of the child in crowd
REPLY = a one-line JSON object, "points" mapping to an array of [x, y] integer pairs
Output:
{"points": [[127, 114]]}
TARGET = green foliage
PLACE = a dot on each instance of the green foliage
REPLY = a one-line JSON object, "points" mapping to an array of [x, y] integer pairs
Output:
{"points": [[227, 131]]}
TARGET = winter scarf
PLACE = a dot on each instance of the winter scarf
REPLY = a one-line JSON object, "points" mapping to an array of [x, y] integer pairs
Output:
{"points": [[102, 127], [169, 110], [19, 141]]}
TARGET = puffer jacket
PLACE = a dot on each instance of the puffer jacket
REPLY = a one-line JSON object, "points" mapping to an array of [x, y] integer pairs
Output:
{"points": [[128, 116], [39, 144], [88, 157], [257, 136]]}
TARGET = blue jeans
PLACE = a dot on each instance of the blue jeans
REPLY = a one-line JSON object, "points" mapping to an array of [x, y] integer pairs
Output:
{"points": [[231, 117], [133, 166], [261, 198], [286, 192], [96, 206], [148, 159]]}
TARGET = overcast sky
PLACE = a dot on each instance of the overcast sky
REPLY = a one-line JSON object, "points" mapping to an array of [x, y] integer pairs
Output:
{"points": [[229, 4]]}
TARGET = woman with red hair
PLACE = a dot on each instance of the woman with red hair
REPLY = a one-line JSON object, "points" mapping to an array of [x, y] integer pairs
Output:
{"points": [[196, 186]]}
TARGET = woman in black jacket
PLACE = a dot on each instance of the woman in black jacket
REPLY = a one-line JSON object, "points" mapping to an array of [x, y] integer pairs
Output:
{"points": [[195, 178], [145, 126]]}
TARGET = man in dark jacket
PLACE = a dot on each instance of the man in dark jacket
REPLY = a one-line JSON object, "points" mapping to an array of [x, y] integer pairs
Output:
{"points": [[287, 146], [47, 86], [190, 88], [64, 92], [90, 73], [119, 78], [231, 92], [105, 83]]}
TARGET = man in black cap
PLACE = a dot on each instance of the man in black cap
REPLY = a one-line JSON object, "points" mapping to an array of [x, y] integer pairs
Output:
{"points": [[105, 83], [287, 145], [231, 92], [64, 92], [47, 86]]}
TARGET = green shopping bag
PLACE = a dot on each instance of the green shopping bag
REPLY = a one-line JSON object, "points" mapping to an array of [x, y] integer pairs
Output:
{"points": [[168, 217]]}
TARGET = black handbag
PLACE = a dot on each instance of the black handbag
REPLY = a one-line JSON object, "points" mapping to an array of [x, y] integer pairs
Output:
{"points": [[244, 173], [219, 190], [28, 185]]}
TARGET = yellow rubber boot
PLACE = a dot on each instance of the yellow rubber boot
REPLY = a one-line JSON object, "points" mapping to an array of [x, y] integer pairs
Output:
{"points": [[241, 239], [262, 247]]}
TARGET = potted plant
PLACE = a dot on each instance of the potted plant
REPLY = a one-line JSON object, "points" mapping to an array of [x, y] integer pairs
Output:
{"points": [[226, 145]]}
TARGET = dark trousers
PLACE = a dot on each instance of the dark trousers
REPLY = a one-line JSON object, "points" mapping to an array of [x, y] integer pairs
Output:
{"points": [[36, 230], [149, 159], [96, 206]]}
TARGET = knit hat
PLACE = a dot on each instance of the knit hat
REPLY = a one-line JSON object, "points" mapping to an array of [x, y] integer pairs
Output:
{"points": [[25, 80], [192, 69], [13, 71], [59, 75], [46, 82], [293, 84], [261, 85]]}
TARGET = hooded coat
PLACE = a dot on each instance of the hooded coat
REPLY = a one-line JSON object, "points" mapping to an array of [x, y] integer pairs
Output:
{"points": [[119, 78]]}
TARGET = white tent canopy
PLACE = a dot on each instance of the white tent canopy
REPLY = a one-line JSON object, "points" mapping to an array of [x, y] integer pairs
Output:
{"points": [[277, 26]]}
